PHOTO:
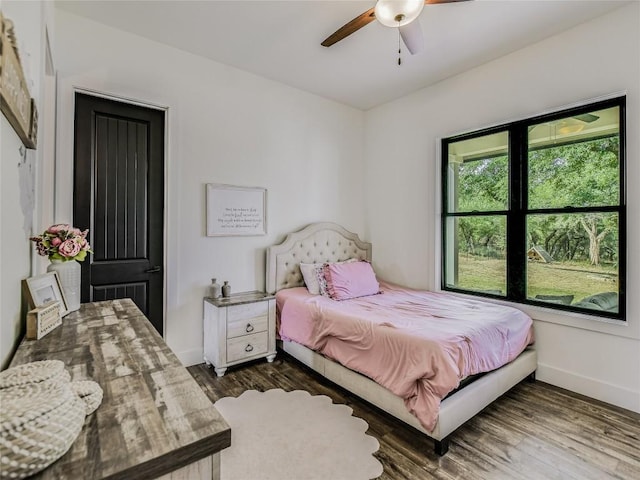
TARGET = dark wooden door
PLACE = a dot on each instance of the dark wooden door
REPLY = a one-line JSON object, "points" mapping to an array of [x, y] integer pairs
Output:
{"points": [[119, 197]]}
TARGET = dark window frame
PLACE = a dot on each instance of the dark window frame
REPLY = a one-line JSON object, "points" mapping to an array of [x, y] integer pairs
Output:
{"points": [[517, 209]]}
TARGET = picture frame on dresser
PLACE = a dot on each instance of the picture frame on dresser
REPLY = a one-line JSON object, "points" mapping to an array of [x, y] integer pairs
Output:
{"points": [[43, 289], [235, 211]]}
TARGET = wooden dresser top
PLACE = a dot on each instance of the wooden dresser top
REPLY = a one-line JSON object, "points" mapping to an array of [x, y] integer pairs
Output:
{"points": [[154, 418]]}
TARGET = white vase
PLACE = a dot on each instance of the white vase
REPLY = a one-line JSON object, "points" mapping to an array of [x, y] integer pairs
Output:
{"points": [[69, 273], [214, 289]]}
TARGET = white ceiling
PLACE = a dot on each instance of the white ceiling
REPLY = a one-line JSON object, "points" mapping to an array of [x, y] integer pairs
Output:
{"points": [[280, 39]]}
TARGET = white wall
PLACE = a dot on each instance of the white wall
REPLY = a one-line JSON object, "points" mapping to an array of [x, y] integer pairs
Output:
{"points": [[598, 58], [19, 175], [224, 126]]}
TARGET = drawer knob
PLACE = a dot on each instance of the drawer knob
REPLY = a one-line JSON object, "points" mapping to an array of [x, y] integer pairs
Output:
{"points": [[249, 328], [248, 348]]}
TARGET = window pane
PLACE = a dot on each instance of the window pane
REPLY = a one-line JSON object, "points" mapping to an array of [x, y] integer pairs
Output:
{"points": [[575, 161], [476, 254], [573, 260], [478, 174]]}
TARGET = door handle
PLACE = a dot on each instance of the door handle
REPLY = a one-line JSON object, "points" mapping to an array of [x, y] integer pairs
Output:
{"points": [[155, 269]]}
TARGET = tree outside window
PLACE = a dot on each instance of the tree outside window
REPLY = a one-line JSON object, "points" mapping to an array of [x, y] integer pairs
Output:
{"points": [[534, 212]]}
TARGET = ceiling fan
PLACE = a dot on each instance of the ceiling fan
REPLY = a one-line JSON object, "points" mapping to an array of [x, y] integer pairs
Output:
{"points": [[391, 13], [573, 124]]}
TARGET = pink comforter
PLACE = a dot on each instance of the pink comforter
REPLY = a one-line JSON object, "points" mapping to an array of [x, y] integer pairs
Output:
{"points": [[418, 344]]}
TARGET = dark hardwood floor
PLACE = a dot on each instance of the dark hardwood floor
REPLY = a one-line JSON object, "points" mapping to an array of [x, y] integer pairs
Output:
{"points": [[535, 431]]}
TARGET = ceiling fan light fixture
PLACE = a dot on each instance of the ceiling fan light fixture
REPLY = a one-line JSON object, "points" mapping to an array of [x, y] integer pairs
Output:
{"points": [[567, 128], [397, 13]]}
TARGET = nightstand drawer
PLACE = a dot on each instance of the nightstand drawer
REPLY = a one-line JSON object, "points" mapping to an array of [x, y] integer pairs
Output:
{"points": [[247, 346], [246, 311], [245, 326]]}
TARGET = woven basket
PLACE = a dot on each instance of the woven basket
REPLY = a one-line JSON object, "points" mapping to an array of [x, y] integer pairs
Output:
{"points": [[34, 372], [90, 393], [40, 420]]}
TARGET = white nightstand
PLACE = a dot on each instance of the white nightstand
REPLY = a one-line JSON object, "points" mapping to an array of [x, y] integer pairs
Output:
{"points": [[239, 328]]}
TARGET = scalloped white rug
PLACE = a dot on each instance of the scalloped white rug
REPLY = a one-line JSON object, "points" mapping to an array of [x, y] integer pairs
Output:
{"points": [[295, 436]]}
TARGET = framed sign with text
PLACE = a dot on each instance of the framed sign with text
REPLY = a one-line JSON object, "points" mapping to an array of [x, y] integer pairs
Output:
{"points": [[15, 101], [235, 210]]}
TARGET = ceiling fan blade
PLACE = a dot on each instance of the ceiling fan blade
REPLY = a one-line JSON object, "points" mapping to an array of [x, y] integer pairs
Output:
{"points": [[411, 34], [586, 117], [349, 28], [443, 1]]}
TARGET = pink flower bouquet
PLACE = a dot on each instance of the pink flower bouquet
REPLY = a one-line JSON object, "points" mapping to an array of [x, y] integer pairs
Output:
{"points": [[63, 242]]}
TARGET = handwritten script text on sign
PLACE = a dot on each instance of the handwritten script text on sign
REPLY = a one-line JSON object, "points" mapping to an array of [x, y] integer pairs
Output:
{"points": [[239, 218]]}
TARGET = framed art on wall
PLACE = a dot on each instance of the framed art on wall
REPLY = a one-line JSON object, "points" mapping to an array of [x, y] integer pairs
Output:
{"points": [[235, 210], [15, 100], [43, 289]]}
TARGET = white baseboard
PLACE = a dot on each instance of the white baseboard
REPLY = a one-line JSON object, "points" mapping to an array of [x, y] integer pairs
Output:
{"points": [[191, 357], [591, 387]]}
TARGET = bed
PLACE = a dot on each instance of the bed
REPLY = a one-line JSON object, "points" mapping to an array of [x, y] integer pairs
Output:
{"points": [[330, 243]]}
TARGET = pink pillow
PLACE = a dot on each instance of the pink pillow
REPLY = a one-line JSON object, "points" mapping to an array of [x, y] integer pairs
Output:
{"points": [[350, 280]]}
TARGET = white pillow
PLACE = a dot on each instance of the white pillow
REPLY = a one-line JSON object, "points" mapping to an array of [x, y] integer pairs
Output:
{"points": [[310, 276]]}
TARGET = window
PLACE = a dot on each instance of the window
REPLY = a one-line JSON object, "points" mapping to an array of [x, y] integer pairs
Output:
{"points": [[534, 211]]}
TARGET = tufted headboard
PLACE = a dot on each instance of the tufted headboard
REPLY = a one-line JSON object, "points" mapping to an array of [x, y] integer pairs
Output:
{"points": [[315, 243]]}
